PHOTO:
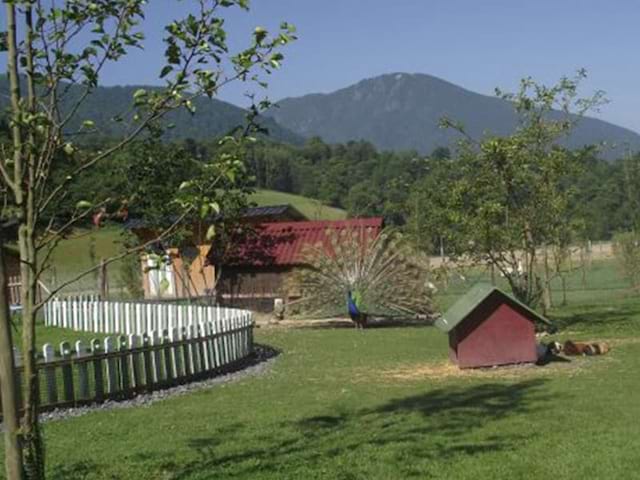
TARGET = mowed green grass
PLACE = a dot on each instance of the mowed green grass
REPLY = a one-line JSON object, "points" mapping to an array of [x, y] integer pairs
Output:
{"points": [[331, 407], [328, 409]]}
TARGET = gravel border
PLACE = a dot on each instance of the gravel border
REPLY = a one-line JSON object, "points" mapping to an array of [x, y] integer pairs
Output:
{"points": [[259, 363]]}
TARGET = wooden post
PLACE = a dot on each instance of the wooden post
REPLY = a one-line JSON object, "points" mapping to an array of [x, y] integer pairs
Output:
{"points": [[176, 354], [98, 376], [111, 367], [67, 372], [125, 382], [134, 343], [156, 358], [83, 373], [169, 359], [103, 282], [50, 374]]}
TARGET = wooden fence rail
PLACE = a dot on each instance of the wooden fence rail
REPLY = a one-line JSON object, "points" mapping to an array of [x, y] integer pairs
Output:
{"points": [[93, 315], [120, 367]]}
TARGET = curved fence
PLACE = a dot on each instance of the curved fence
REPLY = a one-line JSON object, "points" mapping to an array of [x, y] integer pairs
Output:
{"points": [[89, 314], [151, 347]]}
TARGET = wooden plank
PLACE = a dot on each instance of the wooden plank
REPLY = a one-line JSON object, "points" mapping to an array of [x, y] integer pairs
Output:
{"points": [[135, 361], [83, 372], [50, 374], [176, 355], [156, 358], [204, 348], [67, 372], [123, 367], [194, 351], [98, 377], [111, 367], [147, 357], [185, 350], [169, 358]]}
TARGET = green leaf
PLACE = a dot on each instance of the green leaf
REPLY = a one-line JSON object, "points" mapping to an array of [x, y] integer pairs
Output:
{"points": [[166, 71], [211, 232], [84, 204]]}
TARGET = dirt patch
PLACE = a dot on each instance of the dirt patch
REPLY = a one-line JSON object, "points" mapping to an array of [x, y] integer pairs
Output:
{"points": [[446, 370]]}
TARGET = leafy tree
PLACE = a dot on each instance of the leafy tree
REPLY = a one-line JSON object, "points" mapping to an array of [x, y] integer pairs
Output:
{"points": [[509, 195], [56, 54], [626, 248]]}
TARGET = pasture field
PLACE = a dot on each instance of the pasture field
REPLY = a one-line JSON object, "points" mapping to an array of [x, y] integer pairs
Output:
{"points": [[383, 404], [311, 208]]}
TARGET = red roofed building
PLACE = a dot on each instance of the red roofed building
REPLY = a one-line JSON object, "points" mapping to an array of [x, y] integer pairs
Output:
{"points": [[254, 270]]}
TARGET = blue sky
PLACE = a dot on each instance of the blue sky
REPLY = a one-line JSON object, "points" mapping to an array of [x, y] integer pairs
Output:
{"points": [[478, 44]]}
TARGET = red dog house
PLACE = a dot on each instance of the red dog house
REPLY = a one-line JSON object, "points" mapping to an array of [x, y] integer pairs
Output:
{"points": [[487, 327]]}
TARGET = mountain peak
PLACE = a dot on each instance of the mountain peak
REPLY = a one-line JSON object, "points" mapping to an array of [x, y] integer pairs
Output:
{"points": [[402, 111]]}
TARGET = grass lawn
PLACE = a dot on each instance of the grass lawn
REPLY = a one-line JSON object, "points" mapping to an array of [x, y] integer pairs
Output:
{"points": [[311, 208], [381, 404], [384, 404]]}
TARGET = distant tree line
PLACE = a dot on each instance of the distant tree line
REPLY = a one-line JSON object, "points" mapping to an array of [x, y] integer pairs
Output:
{"points": [[354, 176]]}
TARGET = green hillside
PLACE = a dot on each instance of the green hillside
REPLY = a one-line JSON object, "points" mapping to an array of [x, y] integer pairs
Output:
{"points": [[312, 209]]}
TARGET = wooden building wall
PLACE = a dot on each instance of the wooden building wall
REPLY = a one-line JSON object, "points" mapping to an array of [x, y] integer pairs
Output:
{"points": [[253, 287], [493, 334]]}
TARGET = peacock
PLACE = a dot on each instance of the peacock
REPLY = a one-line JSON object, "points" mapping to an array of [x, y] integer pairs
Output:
{"points": [[355, 307], [382, 277]]}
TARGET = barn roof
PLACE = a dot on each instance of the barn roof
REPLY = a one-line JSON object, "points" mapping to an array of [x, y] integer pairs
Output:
{"points": [[472, 299], [282, 243]]}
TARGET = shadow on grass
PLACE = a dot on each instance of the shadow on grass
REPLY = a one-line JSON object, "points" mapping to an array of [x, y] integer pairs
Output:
{"points": [[73, 471], [412, 432], [598, 316]]}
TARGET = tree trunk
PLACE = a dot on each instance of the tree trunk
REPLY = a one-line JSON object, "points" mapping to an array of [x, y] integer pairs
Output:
{"points": [[103, 286], [8, 387], [33, 451], [546, 293]]}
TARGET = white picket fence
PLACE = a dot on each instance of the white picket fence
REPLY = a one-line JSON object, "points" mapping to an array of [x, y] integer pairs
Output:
{"points": [[137, 318]]}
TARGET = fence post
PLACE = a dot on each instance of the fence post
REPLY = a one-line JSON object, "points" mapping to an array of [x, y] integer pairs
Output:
{"points": [[67, 372], [50, 374], [83, 373], [149, 314], [203, 342], [156, 358], [185, 348], [124, 365], [112, 375], [85, 316], [117, 308], [147, 355], [138, 314], [176, 354], [169, 357], [195, 350], [134, 343], [97, 370], [127, 318]]}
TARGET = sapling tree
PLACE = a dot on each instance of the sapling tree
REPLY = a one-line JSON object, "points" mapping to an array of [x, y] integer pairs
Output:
{"points": [[56, 54], [508, 196]]}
